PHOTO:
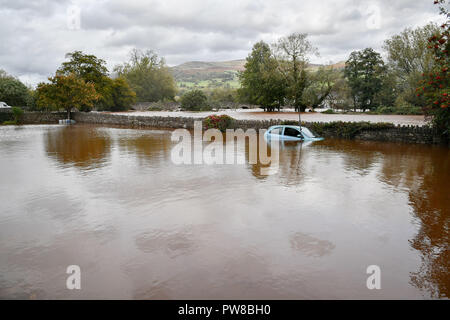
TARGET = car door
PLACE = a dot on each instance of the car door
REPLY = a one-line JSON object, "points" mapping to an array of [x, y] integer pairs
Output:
{"points": [[276, 132], [292, 134]]}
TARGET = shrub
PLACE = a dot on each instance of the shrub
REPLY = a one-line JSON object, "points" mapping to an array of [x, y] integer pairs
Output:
{"points": [[17, 114], [348, 129], [329, 111], [194, 100], [405, 109], [221, 122], [12, 90]]}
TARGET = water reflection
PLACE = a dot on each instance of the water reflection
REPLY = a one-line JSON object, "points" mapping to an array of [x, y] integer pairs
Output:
{"points": [[424, 172], [147, 147], [142, 227], [310, 245], [81, 146]]}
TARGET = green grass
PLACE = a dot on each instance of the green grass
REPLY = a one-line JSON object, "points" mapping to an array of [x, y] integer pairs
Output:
{"points": [[11, 122], [208, 84]]}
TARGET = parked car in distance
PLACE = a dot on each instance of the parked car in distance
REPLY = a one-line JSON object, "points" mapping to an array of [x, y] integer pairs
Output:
{"points": [[4, 105]]}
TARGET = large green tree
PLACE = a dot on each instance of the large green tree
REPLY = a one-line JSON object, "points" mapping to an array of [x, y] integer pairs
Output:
{"points": [[66, 92], [408, 58], [92, 70], [114, 94], [148, 76], [13, 91], [365, 71], [261, 81], [292, 53]]}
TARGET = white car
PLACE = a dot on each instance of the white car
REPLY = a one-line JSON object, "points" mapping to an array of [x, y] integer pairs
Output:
{"points": [[4, 105], [291, 133]]}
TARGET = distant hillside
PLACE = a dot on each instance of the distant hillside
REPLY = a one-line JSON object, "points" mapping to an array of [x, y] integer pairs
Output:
{"points": [[338, 66], [213, 74], [201, 74]]}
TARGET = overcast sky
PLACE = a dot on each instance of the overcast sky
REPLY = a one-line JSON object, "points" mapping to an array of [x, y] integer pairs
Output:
{"points": [[36, 34]]}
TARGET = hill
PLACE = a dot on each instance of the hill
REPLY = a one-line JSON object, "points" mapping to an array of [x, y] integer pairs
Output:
{"points": [[201, 74], [214, 74]]}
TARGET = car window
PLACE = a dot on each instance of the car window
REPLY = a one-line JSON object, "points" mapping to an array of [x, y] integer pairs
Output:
{"points": [[276, 130], [291, 132], [308, 132]]}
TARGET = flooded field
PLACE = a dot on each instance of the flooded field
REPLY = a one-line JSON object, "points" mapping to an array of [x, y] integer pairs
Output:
{"points": [[111, 201], [289, 114]]}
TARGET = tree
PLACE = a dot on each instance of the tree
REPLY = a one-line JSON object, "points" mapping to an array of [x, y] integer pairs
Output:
{"points": [[86, 66], [408, 57], [340, 95], [12, 90], [122, 95], [148, 76], [364, 71], [66, 92], [93, 70], [222, 96], [435, 85], [194, 100], [292, 52], [261, 81], [319, 87]]}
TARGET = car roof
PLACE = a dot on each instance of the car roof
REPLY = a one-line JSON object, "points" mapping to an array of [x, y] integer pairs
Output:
{"points": [[284, 126]]}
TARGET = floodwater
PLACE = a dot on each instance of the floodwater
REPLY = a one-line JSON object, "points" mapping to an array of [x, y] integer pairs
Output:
{"points": [[111, 201], [289, 114]]}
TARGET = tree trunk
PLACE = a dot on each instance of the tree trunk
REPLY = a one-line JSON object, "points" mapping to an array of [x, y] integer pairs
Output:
{"points": [[68, 114]]}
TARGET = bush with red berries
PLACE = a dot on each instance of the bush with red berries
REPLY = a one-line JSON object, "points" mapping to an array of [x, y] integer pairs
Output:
{"points": [[435, 86], [221, 122]]}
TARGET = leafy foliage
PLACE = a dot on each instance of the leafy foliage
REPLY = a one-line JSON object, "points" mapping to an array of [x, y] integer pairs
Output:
{"points": [[194, 100], [66, 92], [364, 71], [435, 85], [292, 52], [92, 70], [407, 58], [148, 76], [17, 116], [261, 81], [122, 95], [13, 91], [348, 129], [218, 97], [221, 122], [319, 87]]}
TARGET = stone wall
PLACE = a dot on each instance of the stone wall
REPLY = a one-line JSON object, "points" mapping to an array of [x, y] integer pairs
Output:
{"points": [[346, 130], [33, 117], [5, 115], [43, 117]]}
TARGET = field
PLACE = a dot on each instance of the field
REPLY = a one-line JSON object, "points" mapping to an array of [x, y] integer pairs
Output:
{"points": [[206, 75], [217, 74]]}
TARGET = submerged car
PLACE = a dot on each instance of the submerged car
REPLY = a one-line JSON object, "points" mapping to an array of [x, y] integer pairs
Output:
{"points": [[291, 133]]}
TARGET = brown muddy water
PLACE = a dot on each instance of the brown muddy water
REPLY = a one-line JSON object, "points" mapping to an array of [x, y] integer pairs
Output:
{"points": [[140, 227]]}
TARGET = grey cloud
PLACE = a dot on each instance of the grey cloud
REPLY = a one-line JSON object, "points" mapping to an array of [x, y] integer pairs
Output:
{"points": [[34, 36]]}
